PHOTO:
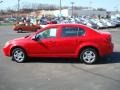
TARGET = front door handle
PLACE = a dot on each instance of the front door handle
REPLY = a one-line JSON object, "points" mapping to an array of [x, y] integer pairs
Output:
{"points": [[51, 43]]}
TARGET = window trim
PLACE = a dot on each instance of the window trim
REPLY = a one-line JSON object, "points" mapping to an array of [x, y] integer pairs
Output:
{"points": [[82, 30]]}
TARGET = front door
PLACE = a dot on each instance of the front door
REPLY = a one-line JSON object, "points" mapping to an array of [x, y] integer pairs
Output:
{"points": [[45, 44]]}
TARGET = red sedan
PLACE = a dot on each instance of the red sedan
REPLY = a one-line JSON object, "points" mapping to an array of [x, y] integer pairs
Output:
{"points": [[61, 40], [26, 27]]}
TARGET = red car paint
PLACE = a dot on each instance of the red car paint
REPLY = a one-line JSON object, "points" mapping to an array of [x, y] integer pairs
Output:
{"points": [[61, 46]]}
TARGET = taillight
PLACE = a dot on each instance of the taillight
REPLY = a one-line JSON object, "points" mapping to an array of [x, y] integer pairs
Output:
{"points": [[107, 36], [109, 39]]}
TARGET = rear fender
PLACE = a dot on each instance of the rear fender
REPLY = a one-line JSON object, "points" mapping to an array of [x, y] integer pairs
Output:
{"points": [[86, 45]]}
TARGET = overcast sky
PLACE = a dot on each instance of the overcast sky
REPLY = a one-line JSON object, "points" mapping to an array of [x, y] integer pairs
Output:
{"points": [[107, 4]]}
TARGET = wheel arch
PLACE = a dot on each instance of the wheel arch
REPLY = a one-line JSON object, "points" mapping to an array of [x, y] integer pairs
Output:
{"points": [[17, 47], [89, 46], [19, 29]]}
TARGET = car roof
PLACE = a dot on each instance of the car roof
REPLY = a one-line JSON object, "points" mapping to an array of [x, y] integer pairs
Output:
{"points": [[57, 25]]}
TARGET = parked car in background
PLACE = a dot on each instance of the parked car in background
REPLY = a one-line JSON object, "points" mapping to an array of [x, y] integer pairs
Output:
{"points": [[10, 20], [26, 27], [116, 21]]}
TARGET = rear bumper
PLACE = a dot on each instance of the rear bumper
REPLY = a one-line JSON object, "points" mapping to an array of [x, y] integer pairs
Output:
{"points": [[107, 50]]}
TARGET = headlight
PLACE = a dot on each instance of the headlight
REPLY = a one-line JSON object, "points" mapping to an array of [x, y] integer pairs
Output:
{"points": [[7, 44]]}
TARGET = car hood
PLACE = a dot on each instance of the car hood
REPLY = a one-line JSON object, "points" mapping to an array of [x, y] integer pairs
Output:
{"points": [[21, 38], [17, 39]]}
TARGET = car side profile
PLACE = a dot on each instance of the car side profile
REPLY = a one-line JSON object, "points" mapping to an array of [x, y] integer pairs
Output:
{"points": [[61, 40], [26, 27]]}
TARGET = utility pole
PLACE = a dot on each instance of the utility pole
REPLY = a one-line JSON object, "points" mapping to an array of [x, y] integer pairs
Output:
{"points": [[60, 6], [1, 1], [72, 3], [116, 9], [18, 9], [90, 8]]}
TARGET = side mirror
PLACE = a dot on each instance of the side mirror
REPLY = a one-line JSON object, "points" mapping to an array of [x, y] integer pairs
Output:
{"points": [[35, 38]]}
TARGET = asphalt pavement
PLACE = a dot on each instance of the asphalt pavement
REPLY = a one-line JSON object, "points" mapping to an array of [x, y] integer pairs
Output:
{"points": [[59, 74]]}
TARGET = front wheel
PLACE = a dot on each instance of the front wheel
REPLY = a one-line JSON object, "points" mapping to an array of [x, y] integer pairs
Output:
{"points": [[88, 55], [19, 55], [19, 31]]}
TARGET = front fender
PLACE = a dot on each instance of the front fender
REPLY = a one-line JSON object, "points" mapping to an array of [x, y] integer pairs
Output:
{"points": [[16, 46]]}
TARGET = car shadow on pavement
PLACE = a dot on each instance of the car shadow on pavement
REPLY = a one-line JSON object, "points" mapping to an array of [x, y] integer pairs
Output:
{"points": [[53, 60], [114, 58], [23, 32]]}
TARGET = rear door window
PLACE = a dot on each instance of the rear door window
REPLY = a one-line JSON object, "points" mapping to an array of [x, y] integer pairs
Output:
{"points": [[72, 31], [69, 31]]}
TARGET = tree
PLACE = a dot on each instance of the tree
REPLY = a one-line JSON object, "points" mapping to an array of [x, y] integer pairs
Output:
{"points": [[101, 9]]}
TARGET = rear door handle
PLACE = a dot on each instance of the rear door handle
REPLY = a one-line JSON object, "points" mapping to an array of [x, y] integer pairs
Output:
{"points": [[52, 42]]}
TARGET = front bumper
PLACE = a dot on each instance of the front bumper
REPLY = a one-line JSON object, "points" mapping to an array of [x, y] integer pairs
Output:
{"points": [[6, 51]]}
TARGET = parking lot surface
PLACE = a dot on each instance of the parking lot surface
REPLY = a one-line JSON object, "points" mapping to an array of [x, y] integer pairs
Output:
{"points": [[59, 74]]}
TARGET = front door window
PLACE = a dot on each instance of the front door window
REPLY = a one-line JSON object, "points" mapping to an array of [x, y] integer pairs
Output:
{"points": [[49, 33]]}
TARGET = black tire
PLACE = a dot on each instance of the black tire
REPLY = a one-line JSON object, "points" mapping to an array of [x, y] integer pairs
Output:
{"points": [[20, 30], [36, 29], [19, 55], [88, 56]]}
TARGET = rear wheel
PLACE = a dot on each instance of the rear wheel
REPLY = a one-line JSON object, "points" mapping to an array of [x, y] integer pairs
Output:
{"points": [[19, 55], [88, 56]]}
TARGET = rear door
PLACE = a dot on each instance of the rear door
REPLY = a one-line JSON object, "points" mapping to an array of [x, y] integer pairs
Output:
{"points": [[68, 41]]}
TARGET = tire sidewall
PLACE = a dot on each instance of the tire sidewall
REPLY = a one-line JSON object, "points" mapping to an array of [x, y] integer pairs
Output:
{"points": [[88, 49], [19, 30], [25, 55]]}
